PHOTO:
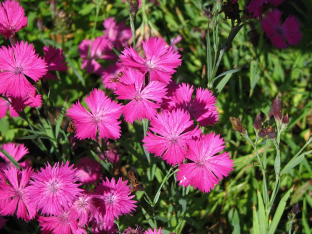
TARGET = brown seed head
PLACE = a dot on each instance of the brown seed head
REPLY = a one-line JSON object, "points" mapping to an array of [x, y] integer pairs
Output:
{"points": [[276, 109], [271, 132], [257, 122]]}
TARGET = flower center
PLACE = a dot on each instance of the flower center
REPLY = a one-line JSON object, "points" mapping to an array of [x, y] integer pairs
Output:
{"points": [[18, 70], [149, 63], [53, 186], [110, 199], [279, 31]]}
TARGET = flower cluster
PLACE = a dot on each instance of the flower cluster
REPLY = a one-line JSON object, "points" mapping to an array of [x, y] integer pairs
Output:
{"points": [[281, 34]]}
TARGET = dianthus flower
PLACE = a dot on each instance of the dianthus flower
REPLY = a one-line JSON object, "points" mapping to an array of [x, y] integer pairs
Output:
{"points": [[54, 58], [113, 199], [206, 168], [100, 49], [65, 222], [12, 18], [112, 75], [17, 151], [85, 209], [103, 117], [101, 225], [155, 231], [117, 34], [15, 194], [202, 107], [4, 106], [88, 170], [256, 6], [289, 30], [16, 62], [173, 131], [144, 99], [32, 99], [54, 189], [160, 60]]}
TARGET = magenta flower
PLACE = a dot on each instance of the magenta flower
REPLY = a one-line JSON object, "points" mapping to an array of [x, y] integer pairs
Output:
{"points": [[31, 99], [256, 6], [112, 75], [54, 58], [144, 99], [65, 222], [160, 59], [117, 34], [173, 131], [17, 151], [85, 209], [14, 191], [54, 189], [100, 50], [155, 231], [15, 63], [88, 170], [12, 18], [113, 199], [103, 117], [101, 225], [289, 30], [207, 168], [4, 107], [202, 107]]}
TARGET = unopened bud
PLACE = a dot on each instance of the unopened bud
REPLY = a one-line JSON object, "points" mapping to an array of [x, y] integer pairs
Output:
{"points": [[262, 133], [134, 7], [238, 126], [271, 132], [40, 24], [257, 122], [276, 109], [285, 119], [263, 116]]}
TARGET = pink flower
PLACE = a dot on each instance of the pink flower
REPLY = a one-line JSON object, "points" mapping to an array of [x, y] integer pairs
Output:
{"points": [[256, 6], [15, 63], [103, 117], [54, 189], [65, 222], [112, 75], [4, 106], [160, 59], [207, 168], [172, 134], [101, 225], [16, 192], [88, 170], [113, 199], [150, 231], [174, 41], [32, 99], [54, 58], [17, 151], [12, 18], [289, 30], [117, 34], [85, 209], [202, 107], [143, 98], [100, 50]]}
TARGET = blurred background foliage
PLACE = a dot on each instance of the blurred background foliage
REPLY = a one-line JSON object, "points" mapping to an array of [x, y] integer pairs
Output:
{"points": [[265, 72]]}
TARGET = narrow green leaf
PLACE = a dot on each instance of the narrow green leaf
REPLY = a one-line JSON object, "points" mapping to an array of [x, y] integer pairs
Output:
{"points": [[265, 191], [198, 203], [59, 121], [234, 220], [277, 164], [305, 224], [96, 157], [233, 34], [148, 218], [223, 82], [255, 221], [9, 157], [292, 163], [279, 212], [226, 73], [80, 78], [192, 222], [183, 204], [87, 9], [262, 216], [209, 58]]}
